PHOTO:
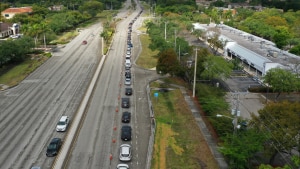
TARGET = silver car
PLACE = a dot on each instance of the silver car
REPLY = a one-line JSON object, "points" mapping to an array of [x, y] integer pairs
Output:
{"points": [[125, 152], [122, 166], [127, 81]]}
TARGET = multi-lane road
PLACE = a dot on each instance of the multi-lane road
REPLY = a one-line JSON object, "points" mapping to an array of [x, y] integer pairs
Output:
{"points": [[31, 110]]}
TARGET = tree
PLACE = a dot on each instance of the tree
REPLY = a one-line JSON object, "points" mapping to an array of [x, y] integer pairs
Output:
{"points": [[216, 67], [282, 121], [281, 80], [240, 148], [281, 36], [92, 7], [167, 62], [295, 50], [12, 51]]}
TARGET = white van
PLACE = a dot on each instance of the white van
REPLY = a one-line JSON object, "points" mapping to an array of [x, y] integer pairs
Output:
{"points": [[62, 123]]}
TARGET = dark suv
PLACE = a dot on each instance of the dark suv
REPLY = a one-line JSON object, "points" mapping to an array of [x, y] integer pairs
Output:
{"points": [[128, 91], [126, 133], [126, 117], [53, 147], [125, 103]]}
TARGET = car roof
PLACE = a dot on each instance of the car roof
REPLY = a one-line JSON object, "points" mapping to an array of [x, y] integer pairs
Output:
{"points": [[125, 148], [126, 127], [122, 165], [126, 112], [63, 118], [55, 140], [35, 167]]}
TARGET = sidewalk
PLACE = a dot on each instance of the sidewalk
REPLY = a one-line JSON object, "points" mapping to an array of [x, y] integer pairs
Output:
{"points": [[202, 126]]}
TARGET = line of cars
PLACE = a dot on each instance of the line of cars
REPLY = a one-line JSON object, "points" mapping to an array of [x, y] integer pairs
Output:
{"points": [[55, 143], [126, 130]]}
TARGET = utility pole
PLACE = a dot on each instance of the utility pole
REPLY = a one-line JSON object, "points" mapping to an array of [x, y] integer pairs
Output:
{"points": [[179, 53], [175, 40], [165, 30], [194, 85], [235, 112]]}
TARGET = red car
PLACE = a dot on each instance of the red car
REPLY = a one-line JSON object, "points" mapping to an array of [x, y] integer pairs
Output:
{"points": [[84, 42]]}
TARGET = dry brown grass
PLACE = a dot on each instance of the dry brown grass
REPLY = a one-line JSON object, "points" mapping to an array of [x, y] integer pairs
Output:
{"points": [[178, 141]]}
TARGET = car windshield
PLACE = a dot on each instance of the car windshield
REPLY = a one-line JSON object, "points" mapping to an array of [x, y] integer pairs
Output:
{"points": [[52, 146], [61, 123], [125, 155]]}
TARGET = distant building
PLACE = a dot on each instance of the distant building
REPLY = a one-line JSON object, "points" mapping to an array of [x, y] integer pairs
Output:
{"points": [[9, 30], [11, 12], [5, 30], [56, 8]]}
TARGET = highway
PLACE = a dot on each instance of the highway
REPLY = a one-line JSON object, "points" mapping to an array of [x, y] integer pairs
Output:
{"points": [[31, 110], [97, 144]]}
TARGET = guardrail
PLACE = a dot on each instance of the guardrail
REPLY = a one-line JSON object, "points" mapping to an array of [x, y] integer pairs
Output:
{"points": [[152, 129]]}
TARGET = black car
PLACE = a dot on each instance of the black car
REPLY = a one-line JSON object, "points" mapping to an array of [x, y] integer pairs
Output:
{"points": [[53, 147], [126, 133], [125, 103], [126, 117], [127, 74], [128, 91]]}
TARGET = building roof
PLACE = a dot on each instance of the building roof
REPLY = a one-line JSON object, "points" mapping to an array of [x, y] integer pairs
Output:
{"points": [[247, 55], [4, 26], [18, 10]]}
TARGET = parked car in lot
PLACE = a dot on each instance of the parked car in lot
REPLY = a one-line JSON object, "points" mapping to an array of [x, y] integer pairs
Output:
{"points": [[128, 91], [125, 103], [126, 117], [126, 133], [53, 147], [62, 123], [125, 152], [122, 166]]}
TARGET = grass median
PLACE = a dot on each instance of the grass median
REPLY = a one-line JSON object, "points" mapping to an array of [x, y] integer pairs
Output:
{"points": [[178, 140]]}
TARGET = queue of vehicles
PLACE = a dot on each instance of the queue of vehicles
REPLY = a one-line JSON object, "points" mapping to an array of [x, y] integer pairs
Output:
{"points": [[126, 130]]}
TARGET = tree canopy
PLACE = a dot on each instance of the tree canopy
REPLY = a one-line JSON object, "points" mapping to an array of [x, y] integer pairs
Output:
{"points": [[282, 121], [167, 62], [281, 80]]}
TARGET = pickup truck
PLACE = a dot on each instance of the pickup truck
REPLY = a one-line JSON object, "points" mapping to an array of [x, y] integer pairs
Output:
{"points": [[125, 103]]}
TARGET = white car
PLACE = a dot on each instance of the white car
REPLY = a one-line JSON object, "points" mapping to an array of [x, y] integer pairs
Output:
{"points": [[125, 152], [62, 123], [127, 81], [122, 166]]}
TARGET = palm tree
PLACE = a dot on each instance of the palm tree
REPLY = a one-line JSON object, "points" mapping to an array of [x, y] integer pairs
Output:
{"points": [[44, 28]]}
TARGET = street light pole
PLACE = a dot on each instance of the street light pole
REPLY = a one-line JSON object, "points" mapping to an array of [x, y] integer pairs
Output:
{"points": [[194, 85], [165, 30], [235, 126]]}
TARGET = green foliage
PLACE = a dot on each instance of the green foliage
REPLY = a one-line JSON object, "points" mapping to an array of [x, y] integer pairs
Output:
{"points": [[240, 147], [281, 36], [167, 62], [282, 80], [12, 51], [282, 121], [295, 50], [92, 7], [237, 65], [168, 3], [216, 67], [3, 6]]}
